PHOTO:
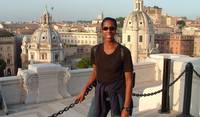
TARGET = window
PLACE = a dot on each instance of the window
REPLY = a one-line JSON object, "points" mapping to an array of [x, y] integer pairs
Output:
{"points": [[140, 38], [129, 38], [150, 38], [42, 56], [32, 56], [8, 61], [54, 37], [8, 72], [56, 57]]}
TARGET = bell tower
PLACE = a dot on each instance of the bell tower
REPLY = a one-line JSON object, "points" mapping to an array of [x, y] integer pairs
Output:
{"points": [[46, 19], [138, 5]]}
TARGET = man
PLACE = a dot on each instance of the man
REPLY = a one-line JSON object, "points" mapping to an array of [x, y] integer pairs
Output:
{"points": [[112, 69]]}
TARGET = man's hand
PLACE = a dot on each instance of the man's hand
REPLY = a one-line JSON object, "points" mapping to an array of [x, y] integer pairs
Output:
{"points": [[124, 113], [80, 97]]}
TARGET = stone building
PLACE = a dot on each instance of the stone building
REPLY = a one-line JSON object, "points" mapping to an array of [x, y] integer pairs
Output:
{"points": [[155, 13], [176, 43], [138, 33], [8, 51], [44, 46], [181, 44], [197, 46], [163, 41]]}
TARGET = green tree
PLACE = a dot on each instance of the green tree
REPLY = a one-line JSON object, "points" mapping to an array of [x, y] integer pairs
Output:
{"points": [[2, 67], [120, 21], [180, 24], [84, 63]]}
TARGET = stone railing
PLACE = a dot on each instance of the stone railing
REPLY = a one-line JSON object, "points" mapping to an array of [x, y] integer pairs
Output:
{"points": [[79, 77], [11, 89], [46, 82], [40, 83]]}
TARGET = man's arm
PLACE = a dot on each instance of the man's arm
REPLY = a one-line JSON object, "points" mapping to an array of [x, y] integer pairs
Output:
{"points": [[128, 93], [128, 86], [92, 78]]}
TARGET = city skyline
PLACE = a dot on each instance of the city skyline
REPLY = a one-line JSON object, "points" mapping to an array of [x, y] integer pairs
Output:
{"points": [[72, 10]]}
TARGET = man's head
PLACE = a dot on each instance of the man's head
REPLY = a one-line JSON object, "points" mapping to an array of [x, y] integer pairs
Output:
{"points": [[108, 26], [111, 19]]}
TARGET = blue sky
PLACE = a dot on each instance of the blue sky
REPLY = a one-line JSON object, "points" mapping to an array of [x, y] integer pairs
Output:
{"points": [[28, 10]]}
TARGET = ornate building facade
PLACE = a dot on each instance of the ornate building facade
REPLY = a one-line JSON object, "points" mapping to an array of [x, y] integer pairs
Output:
{"points": [[44, 46], [138, 33], [8, 51]]}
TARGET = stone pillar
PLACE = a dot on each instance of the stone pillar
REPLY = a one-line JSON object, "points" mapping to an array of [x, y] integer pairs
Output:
{"points": [[63, 78], [29, 86], [44, 82]]}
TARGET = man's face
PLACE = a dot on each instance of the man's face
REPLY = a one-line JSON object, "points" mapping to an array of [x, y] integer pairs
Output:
{"points": [[108, 31]]}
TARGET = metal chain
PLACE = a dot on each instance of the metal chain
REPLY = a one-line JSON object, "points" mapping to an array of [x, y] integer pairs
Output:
{"points": [[196, 73], [74, 103], [156, 92]]}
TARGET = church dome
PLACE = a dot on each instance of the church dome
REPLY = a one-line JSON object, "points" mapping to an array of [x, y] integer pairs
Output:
{"points": [[46, 35], [45, 45], [138, 20], [138, 33]]}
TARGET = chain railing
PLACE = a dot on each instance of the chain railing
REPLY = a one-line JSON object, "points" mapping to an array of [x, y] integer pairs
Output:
{"points": [[156, 92], [134, 94], [74, 103], [196, 73]]}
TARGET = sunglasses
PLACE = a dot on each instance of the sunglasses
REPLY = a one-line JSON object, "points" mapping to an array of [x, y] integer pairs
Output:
{"points": [[109, 28]]}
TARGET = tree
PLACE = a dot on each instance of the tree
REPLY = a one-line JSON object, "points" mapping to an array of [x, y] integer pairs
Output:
{"points": [[84, 63], [2, 67], [120, 21], [180, 24]]}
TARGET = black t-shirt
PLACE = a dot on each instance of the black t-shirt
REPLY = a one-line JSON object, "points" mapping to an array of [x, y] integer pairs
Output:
{"points": [[111, 67]]}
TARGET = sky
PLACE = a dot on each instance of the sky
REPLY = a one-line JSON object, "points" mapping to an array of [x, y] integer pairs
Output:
{"points": [[72, 10]]}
